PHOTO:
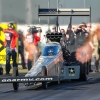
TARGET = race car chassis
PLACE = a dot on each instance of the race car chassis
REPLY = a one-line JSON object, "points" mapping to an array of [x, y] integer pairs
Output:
{"points": [[69, 72]]}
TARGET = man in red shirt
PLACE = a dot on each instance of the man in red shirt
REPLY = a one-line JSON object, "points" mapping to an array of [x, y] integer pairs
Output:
{"points": [[32, 39], [10, 44]]}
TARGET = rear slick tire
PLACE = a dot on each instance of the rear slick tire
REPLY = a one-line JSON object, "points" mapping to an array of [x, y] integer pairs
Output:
{"points": [[15, 74], [15, 86], [83, 72]]}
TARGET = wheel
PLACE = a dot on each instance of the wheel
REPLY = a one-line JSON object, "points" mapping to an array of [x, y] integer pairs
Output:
{"points": [[83, 72], [15, 74], [15, 86], [1, 71], [44, 84]]}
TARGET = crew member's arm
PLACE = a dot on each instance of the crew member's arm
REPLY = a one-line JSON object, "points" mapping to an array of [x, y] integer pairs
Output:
{"points": [[16, 34], [77, 27], [36, 37]]}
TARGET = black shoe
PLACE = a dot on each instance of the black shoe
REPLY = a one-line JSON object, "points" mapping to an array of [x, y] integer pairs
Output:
{"points": [[90, 70]]}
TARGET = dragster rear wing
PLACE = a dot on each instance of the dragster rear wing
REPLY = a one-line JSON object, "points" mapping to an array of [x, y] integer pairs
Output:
{"points": [[64, 12]]}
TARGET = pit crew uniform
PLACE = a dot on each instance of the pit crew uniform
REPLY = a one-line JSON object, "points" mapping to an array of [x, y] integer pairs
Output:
{"points": [[10, 44]]}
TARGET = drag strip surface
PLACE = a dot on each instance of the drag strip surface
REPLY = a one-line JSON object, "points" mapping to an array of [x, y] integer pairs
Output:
{"points": [[67, 90]]}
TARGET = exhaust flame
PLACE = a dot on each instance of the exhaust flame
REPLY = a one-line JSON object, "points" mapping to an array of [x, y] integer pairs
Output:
{"points": [[84, 53]]}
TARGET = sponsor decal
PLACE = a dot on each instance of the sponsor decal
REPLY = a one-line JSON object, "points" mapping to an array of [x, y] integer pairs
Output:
{"points": [[71, 71], [26, 79]]}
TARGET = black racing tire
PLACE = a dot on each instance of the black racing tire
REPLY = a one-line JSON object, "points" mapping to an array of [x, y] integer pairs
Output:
{"points": [[44, 84], [1, 71], [15, 86], [83, 72], [15, 74]]}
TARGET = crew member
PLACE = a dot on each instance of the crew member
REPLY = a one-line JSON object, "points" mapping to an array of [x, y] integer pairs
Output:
{"points": [[96, 52], [97, 60], [63, 40], [54, 35], [54, 29], [37, 38], [70, 39], [10, 44], [81, 34], [88, 28], [40, 43], [32, 38], [21, 49]]}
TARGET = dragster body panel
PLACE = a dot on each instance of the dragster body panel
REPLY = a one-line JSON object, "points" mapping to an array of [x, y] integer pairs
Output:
{"points": [[51, 58]]}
